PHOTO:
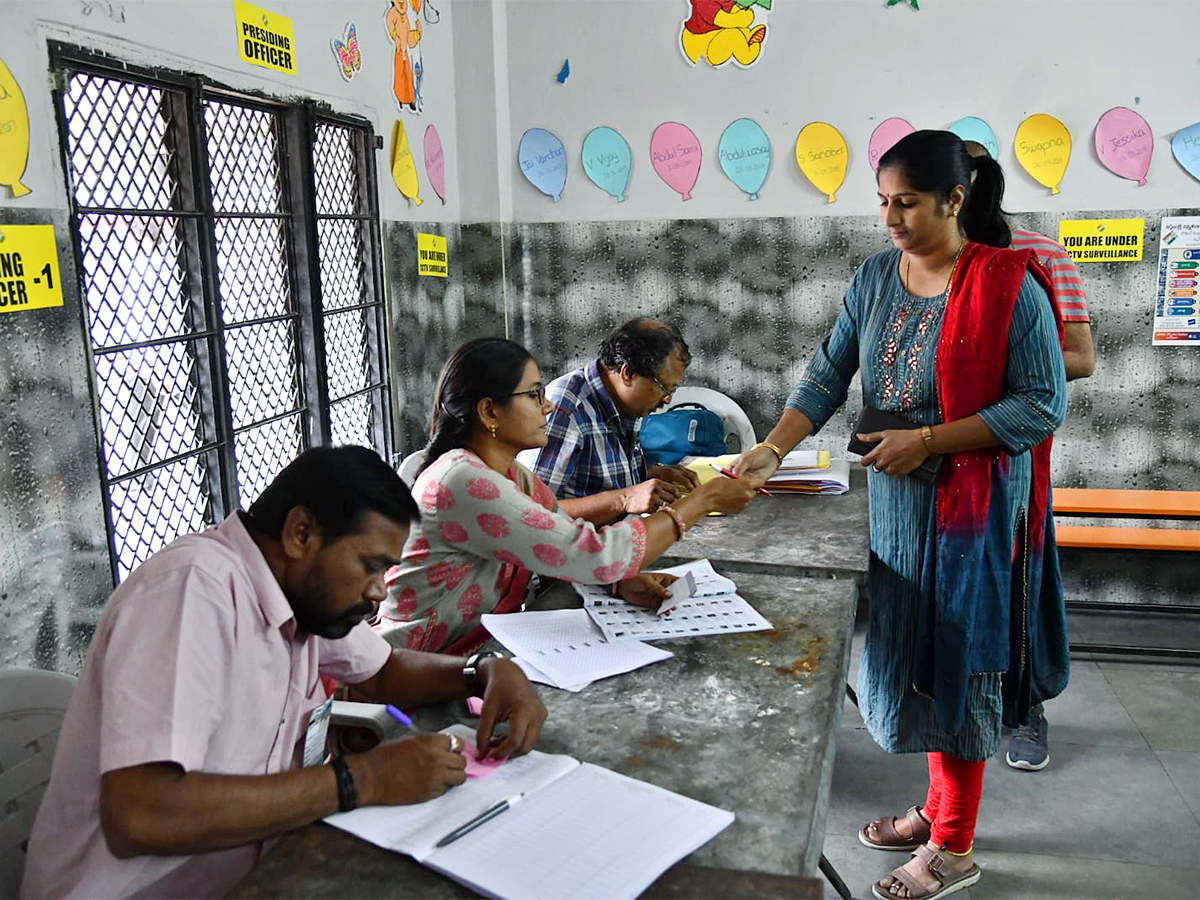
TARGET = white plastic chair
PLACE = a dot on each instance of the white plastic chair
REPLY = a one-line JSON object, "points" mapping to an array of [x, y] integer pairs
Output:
{"points": [[739, 433], [32, 705], [409, 466]]}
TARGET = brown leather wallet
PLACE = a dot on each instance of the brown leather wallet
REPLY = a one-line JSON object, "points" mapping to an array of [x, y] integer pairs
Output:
{"points": [[873, 419]]}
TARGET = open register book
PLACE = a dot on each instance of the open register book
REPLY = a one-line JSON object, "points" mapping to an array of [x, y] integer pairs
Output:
{"points": [[580, 831]]}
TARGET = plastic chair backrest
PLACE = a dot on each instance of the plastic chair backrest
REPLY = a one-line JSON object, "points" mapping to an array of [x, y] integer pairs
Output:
{"points": [[32, 705], [739, 433], [409, 466]]}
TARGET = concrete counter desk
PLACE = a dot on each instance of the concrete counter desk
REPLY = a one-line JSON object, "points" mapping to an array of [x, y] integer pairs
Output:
{"points": [[794, 534], [747, 722]]}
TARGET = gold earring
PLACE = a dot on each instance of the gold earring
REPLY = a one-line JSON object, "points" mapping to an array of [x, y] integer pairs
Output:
{"points": [[493, 430], [954, 212]]}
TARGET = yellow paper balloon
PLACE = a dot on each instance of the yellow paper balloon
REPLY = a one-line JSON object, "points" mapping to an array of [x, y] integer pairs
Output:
{"points": [[404, 167], [822, 155], [1043, 148], [14, 133]]}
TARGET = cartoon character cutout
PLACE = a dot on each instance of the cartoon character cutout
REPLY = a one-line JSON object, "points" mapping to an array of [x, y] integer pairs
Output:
{"points": [[722, 30], [346, 52], [405, 37]]}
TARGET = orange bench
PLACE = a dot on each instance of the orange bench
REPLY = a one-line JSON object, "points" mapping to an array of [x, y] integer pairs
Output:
{"points": [[1127, 505]]}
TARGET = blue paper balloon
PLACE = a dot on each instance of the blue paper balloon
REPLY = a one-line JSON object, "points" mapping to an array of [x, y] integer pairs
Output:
{"points": [[1185, 147], [543, 161], [972, 128], [745, 155], [606, 161]]}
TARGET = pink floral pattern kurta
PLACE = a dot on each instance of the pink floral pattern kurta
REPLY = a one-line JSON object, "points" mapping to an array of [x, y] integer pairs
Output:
{"points": [[480, 531]]}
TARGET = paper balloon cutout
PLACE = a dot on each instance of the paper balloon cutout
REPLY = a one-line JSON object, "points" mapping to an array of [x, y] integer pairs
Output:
{"points": [[1043, 147], [607, 161], [972, 128], [543, 161], [1125, 143], [404, 168], [884, 137], [435, 162], [822, 155], [675, 155], [14, 138], [744, 153], [1185, 146]]}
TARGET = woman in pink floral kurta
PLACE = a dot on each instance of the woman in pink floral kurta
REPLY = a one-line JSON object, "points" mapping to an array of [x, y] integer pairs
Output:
{"points": [[487, 522]]}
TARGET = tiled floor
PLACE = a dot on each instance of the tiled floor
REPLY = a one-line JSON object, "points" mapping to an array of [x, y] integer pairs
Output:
{"points": [[1116, 814]]}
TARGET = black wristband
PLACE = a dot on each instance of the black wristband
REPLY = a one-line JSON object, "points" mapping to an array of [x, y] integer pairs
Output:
{"points": [[347, 792]]}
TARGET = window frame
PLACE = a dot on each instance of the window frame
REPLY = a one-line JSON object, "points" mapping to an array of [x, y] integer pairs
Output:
{"points": [[192, 206]]}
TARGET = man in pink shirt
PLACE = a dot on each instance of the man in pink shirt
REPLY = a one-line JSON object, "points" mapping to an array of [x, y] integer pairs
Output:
{"points": [[191, 736]]}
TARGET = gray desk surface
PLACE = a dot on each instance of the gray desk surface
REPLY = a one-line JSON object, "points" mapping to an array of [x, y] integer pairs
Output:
{"points": [[792, 533], [746, 721], [741, 721]]}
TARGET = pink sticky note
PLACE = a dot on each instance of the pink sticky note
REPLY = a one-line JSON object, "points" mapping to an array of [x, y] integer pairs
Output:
{"points": [[479, 768], [475, 706]]}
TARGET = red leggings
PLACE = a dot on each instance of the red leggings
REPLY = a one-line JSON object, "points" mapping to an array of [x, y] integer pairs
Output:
{"points": [[952, 803]]}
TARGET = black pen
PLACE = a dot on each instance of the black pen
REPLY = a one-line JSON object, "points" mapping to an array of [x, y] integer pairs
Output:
{"points": [[486, 816]]}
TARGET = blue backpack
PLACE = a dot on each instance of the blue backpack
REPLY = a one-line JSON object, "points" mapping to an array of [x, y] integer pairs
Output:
{"points": [[688, 429]]}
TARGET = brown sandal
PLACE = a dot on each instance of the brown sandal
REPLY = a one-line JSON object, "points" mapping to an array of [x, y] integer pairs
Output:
{"points": [[882, 834], [949, 879]]}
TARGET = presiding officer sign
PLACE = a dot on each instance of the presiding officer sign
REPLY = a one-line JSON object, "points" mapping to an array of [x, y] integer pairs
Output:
{"points": [[28, 268], [265, 38]]}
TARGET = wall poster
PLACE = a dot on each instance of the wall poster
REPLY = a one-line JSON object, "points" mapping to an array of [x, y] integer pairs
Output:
{"points": [[1175, 318]]}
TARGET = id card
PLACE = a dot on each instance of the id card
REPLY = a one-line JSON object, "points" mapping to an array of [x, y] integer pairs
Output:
{"points": [[314, 736]]}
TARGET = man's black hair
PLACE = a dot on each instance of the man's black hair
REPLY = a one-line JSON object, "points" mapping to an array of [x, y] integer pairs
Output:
{"points": [[643, 344], [337, 485]]}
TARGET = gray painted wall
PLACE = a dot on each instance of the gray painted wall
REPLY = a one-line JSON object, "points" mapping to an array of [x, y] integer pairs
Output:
{"points": [[755, 297]]}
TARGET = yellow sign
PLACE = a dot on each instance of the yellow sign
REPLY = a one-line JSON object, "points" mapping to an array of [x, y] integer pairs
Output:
{"points": [[1043, 148], [431, 255], [14, 133], [821, 154], [264, 38], [404, 168], [1102, 240], [28, 268]]}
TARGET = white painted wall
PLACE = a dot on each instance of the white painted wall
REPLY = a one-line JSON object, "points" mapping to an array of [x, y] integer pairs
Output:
{"points": [[852, 63], [199, 37]]}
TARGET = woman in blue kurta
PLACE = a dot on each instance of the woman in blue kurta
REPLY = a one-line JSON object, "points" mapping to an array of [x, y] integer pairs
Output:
{"points": [[966, 624]]}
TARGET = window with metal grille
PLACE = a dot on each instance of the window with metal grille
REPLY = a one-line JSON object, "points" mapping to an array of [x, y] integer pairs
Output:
{"points": [[228, 251]]}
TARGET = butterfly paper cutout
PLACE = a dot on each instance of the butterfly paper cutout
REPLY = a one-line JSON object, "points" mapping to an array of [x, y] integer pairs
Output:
{"points": [[348, 55]]}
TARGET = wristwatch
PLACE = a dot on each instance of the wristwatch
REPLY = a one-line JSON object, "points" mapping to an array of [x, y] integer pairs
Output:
{"points": [[471, 673]]}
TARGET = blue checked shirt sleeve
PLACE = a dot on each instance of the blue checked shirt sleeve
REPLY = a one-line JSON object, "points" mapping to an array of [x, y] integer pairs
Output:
{"points": [[556, 462]]}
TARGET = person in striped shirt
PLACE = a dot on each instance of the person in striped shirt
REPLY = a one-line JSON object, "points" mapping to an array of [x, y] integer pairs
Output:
{"points": [[1029, 746]]}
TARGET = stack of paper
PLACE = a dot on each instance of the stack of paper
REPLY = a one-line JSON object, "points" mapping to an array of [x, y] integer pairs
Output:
{"points": [[578, 831], [564, 649], [833, 478], [713, 608]]}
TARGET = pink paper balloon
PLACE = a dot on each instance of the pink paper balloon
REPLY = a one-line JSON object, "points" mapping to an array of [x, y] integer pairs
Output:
{"points": [[435, 162], [1125, 143], [675, 154], [884, 137]]}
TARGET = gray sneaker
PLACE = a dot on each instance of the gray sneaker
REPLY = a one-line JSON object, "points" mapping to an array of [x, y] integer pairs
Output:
{"points": [[1029, 747]]}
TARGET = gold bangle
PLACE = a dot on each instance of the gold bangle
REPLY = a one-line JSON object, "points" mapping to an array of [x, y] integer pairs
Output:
{"points": [[778, 453], [680, 525], [927, 437]]}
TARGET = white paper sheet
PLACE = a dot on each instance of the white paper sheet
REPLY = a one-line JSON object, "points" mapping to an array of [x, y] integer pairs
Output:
{"points": [[565, 645], [580, 831]]}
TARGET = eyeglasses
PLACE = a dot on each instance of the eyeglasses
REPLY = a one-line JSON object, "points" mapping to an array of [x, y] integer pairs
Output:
{"points": [[535, 393], [667, 393]]}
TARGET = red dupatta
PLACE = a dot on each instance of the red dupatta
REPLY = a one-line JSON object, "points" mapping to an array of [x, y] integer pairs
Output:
{"points": [[969, 626]]}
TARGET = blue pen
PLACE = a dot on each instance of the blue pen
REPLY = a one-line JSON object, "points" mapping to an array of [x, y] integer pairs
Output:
{"points": [[399, 716]]}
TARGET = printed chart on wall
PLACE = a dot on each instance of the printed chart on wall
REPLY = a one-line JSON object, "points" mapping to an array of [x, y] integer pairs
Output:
{"points": [[1176, 320]]}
